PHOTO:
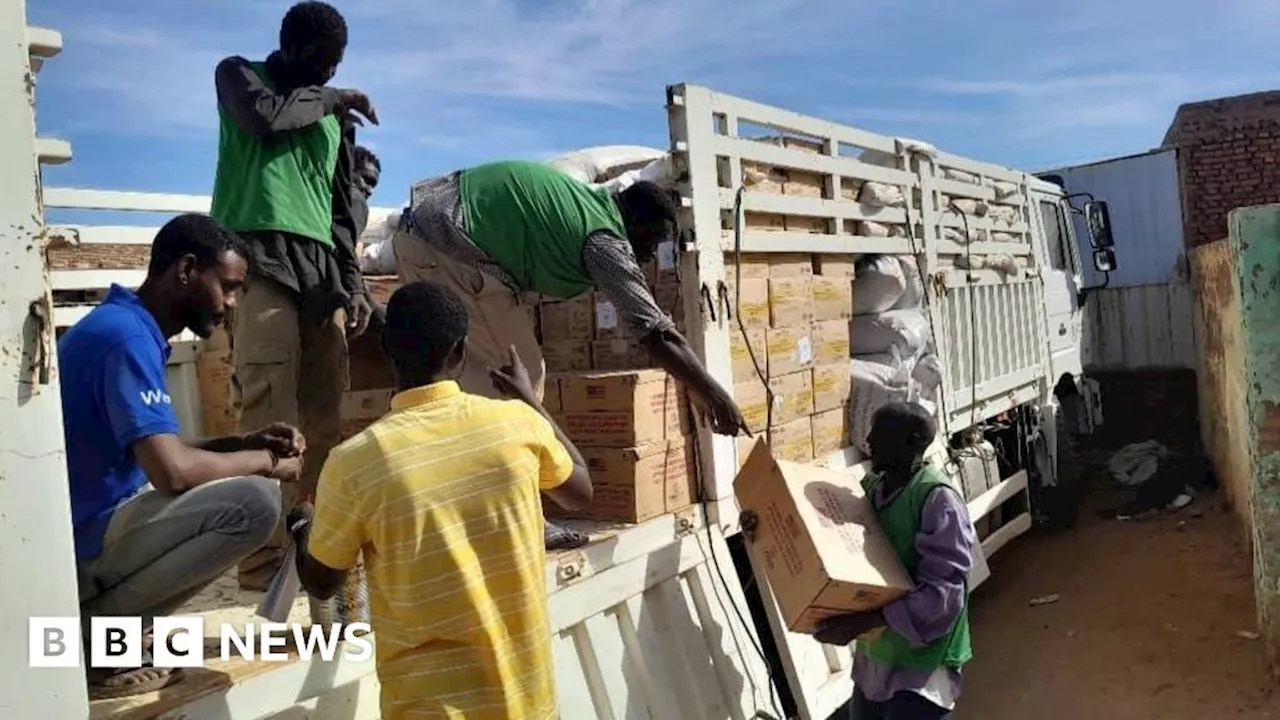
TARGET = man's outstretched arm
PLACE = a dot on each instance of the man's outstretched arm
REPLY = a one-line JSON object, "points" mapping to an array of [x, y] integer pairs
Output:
{"points": [[612, 264], [263, 112]]}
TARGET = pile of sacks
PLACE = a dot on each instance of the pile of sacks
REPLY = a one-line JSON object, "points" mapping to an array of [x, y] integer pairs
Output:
{"points": [[894, 358]]}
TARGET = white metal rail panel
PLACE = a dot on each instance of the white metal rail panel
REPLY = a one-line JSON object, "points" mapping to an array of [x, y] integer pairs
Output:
{"points": [[128, 202], [650, 627], [942, 193], [36, 549], [991, 346]]}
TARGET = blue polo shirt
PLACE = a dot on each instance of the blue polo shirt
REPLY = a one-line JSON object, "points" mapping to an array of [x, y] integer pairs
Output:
{"points": [[112, 370]]}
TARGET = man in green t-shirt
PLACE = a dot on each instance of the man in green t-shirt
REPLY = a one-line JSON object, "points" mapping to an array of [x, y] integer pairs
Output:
{"points": [[500, 232], [284, 183]]}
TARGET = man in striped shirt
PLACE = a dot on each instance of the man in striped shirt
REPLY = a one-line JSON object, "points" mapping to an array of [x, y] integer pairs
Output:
{"points": [[443, 497]]}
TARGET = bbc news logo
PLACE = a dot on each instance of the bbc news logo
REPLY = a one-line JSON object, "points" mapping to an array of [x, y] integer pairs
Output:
{"points": [[179, 642]]}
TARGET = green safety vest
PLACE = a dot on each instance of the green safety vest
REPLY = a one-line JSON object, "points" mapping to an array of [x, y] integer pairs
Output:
{"points": [[533, 220], [900, 520], [282, 183]]}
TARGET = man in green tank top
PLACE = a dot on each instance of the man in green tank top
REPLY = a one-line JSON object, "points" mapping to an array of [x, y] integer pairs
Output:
{"points": [[910, 669], [285, 183], [503, 233]]}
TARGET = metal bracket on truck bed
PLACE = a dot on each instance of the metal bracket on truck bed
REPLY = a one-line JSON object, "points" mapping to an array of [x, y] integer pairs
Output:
{"points": [[570, 568]]}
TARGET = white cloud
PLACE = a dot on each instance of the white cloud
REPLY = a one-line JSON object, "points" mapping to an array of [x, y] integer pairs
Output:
{"points": [[152, 73]]}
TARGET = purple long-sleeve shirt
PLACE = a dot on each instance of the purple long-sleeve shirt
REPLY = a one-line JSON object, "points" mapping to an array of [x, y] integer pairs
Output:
{"points": [[945, 543]]}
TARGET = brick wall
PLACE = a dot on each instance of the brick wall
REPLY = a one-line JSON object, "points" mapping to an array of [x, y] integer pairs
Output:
{"points": [[1228, 156]]}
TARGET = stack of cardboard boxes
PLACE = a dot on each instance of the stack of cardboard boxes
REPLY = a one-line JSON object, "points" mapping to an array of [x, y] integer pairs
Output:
{"points": [[793, 315], [630, 422], [586, 333], [632, 428]]}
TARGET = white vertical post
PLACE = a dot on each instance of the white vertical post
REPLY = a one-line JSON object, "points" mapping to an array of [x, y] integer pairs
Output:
{"points": [[37, 566]]}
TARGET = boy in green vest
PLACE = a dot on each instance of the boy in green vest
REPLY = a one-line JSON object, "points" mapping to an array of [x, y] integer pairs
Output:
{"points": [[911, 668], [284, 183], [498, 233]]}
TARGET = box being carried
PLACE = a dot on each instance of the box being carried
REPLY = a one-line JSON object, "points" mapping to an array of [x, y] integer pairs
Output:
{"points": [[817, 540]]}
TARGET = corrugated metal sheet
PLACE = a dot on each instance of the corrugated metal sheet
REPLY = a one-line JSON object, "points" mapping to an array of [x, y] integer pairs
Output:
{"points": [[1142, 326], [1142, 192]]}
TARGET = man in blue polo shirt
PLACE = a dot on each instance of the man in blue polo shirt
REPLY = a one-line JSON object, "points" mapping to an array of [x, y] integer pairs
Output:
{"points": [[156, 519]]}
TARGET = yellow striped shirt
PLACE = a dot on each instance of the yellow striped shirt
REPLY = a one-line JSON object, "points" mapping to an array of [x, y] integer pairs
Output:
{"points": [[442, 496]]}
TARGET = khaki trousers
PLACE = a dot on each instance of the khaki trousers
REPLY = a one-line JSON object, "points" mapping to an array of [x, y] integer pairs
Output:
{"points": [[290, 374], [497, 317]]}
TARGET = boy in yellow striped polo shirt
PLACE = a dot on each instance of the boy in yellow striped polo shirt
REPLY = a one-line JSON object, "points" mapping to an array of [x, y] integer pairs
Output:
{"points": [[443, 497]]}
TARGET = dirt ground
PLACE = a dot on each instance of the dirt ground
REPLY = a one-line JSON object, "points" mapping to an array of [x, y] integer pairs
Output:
{"points": [[1148, 625]]}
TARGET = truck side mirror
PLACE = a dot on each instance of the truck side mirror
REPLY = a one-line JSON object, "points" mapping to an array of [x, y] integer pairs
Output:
{"points": [[1099, 221], [1104, 260]]}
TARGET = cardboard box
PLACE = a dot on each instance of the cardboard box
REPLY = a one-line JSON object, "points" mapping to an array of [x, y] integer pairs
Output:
{"points": [[567, 356], [790, 302], [840, 265], [753, 402], [619, 354], [792, 442], [832, 297], [741, 363], [817, 541], [831, 386], [551, 394], [788, 349], [790, 265], [668, 262], [636, 484], [807, 224], [752, 266], [568, 320], [792, 397], [608, 326], [830, 432], [622, 409], [762, 222], [804, 184], [749, 301], [830, 341], [361, 408], [667, 295], [762, 178], [219, 406]]}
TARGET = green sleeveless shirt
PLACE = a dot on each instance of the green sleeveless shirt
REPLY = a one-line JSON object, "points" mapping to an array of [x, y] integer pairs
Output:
{"points": [[282, 183]]}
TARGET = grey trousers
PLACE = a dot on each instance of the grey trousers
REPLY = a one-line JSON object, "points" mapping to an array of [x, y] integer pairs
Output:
{"points": [[162, 550]]}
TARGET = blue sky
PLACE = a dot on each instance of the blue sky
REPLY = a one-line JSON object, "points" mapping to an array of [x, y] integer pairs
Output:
{"points": [[458, 82]]}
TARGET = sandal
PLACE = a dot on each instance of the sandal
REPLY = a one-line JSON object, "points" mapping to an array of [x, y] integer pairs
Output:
{"points": [[134, 681], [558, 537]]}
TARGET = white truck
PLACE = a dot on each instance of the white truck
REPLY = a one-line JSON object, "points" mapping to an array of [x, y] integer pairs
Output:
{"points": [[663, 619]]}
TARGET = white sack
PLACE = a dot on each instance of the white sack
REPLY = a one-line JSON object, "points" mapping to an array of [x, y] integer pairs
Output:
{"points": [[661, 171], [1007, 214], [869, 228], [1136, 463], [959, 176], [877, 284], [377, 256], [902, 333], [881, 195], [876, 384], [596, 164], [969, 206], [1004, 190], [913, 295]]}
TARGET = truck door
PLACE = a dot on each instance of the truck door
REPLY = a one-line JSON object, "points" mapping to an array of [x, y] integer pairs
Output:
{"points": [[1060, 272]]}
